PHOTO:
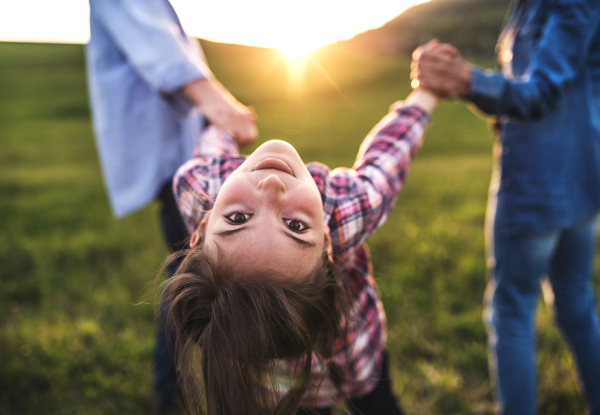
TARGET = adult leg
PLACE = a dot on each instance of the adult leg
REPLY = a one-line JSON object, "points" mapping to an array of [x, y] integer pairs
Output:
{"points": [[520, 261], [574, 300], [175, 234], [381, 400]]}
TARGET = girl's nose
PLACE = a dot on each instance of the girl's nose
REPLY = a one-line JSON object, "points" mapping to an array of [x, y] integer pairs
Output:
{"points": [[271, 183]]}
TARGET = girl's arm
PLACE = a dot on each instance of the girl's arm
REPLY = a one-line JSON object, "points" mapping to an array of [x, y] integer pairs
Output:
{"points": [[215, 142], [197, 182], [359, 199], [423, 99]]}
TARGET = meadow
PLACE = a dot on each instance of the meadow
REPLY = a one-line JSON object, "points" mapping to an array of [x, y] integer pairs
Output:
{"points": [[74, 337]]}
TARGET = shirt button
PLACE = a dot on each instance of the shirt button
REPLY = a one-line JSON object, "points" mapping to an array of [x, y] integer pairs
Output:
{"points": [[505, 150], [506, 183]]}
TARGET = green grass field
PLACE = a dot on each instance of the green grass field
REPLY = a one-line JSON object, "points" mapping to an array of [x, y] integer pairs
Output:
{"points": [[73, 338]]}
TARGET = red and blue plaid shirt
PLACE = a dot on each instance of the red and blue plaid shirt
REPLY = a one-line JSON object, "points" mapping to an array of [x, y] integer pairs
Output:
{"points": [[356, 202]]}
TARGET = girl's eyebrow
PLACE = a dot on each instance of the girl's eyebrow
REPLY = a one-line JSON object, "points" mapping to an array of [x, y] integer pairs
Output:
{"points": [[231, 232], [301, 242]]}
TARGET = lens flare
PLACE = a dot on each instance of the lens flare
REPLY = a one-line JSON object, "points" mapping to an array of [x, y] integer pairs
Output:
{"points": [[295, 55]]}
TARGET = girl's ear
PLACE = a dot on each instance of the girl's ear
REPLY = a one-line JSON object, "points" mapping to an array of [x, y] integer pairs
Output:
{"points": [[196, 237], [198, 234], [327, 243]]}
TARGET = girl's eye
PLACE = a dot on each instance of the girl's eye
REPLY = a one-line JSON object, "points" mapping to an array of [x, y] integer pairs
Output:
{"points": [[295, 225], [238, 218]]}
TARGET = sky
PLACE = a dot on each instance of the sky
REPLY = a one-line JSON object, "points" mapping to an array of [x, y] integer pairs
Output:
{"points": [[283, 24]]}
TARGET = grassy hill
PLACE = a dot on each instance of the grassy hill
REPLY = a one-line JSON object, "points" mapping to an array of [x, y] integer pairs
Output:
{"points": [[471, 25], [73, 338]]}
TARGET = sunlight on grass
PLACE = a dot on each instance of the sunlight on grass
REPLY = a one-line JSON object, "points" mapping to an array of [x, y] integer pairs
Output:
{"points": [[73, 338]]}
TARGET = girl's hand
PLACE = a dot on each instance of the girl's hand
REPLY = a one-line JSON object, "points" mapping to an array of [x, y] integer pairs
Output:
{"points": [[440, 68]]}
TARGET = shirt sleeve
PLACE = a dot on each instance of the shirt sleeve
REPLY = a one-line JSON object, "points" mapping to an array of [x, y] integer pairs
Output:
{"points": [[215, 142], [197, 183], [359, 199], [147, 33], [572, 24]]}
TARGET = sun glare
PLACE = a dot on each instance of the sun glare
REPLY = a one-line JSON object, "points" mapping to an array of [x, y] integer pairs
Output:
{"points": [[295, 54]]}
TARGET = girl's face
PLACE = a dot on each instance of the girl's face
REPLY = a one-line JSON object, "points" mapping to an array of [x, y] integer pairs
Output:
{"points": [[268, 214]]}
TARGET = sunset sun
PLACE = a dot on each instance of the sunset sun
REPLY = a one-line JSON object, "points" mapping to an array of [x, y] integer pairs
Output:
{"points": [[296, 51]]}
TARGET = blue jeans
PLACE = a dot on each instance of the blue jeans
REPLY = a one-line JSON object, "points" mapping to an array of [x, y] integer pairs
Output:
{"points": [[518, 262], [176, 236]]}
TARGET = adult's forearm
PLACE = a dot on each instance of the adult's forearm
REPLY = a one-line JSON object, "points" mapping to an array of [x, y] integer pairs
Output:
{"points": [[525, 99], [222, 109], [554, 61], [200, 91]]}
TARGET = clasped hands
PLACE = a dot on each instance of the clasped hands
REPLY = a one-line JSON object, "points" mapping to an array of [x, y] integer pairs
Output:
{"points": [[440, 68], [222, 109]]}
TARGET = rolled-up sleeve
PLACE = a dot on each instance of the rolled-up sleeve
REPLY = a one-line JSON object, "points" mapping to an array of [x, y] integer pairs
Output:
{"points": [[215, 142], [153, 43], [572, 25]]}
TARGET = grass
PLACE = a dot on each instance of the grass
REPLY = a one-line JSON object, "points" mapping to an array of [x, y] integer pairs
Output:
{"points": [[73, 339]]}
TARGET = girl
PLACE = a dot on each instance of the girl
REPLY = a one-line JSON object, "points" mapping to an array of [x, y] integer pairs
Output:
{"points": [[275, 299]]}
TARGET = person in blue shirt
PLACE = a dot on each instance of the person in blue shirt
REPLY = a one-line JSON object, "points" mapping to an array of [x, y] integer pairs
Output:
{"points": [[151, 94], [545, 191]]}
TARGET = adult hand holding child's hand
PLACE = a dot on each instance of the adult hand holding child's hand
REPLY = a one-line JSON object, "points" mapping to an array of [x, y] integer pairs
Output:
{"points": [[223, 110], [440, 68]]}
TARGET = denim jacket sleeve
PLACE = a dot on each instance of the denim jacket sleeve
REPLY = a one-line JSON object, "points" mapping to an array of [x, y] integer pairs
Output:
{"points": [[555, 60], [148, 34]]}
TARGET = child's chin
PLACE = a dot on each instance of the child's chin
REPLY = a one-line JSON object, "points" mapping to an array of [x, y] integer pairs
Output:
{"points": [[278, 147]]}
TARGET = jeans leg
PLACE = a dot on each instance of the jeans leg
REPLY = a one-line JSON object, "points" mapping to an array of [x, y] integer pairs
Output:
{"points": [[381, 400], [571, 277], [164, 377], [490, 260], [175, 234], [520, 261]]}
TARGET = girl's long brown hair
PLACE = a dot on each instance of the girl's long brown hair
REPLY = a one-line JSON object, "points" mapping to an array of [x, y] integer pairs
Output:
{"points": [[228, 327]]}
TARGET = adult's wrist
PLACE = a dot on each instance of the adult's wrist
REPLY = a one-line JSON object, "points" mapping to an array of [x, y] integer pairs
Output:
{"points": [[466, 79], [202, 91], [479, 84]]}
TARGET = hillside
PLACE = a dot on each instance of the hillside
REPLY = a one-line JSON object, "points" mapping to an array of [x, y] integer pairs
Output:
{"points": [[471, 25]]}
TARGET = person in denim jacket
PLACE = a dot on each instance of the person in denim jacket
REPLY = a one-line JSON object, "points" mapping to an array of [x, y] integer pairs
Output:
{"points": [[545, 192]]}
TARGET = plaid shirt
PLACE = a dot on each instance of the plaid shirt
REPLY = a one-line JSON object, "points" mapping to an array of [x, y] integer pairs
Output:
{"points": [[356, 202]]}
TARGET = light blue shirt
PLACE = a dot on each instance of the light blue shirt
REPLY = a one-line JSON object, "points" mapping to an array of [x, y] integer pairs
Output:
{"points": [[138, 58]]}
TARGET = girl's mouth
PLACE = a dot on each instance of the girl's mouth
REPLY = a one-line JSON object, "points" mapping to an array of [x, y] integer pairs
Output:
{"points": [[275, 164]]}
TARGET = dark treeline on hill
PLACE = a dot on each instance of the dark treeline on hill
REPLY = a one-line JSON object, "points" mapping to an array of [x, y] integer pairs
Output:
{"points": [[472, 26]]}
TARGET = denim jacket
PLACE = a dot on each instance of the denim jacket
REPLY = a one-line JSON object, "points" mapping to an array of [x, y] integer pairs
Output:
{"points": [[547, 98]]}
